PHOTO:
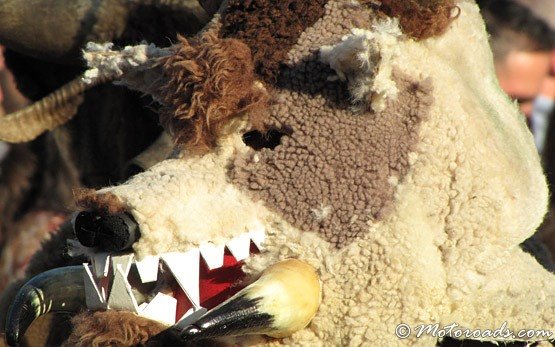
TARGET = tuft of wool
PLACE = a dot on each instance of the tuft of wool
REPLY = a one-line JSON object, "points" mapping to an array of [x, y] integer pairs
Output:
{"points": [[103, 61], [363, 58], [210, 81]]}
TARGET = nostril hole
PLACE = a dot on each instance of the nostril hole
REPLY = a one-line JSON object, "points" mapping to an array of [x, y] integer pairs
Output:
{"points": [[115, 232], [258, 140]]}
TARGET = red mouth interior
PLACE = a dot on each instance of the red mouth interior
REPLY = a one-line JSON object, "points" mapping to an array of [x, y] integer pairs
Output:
{"points": [[216, 285]]}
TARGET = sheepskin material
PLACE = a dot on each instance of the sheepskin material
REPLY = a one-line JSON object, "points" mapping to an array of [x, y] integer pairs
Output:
{"points": [[104, 62], [210, 80], [363, 60], [270, 28], [471, 189], [207, 206], [420, 19], [315, 177], [111, 328]]}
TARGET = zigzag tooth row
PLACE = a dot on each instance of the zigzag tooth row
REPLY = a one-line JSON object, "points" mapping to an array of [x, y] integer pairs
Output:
{"points": [[184, 266]]}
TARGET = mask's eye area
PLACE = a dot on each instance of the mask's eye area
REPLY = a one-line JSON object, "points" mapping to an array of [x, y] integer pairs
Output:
{"points": [[258, 140]]}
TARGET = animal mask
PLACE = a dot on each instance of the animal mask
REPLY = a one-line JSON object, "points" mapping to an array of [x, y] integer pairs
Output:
{"points": [[340, 167]]}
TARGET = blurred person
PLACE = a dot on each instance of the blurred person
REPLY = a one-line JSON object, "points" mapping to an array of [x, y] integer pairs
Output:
{"points": [[544, 9], [522, 45], [543, 108]]}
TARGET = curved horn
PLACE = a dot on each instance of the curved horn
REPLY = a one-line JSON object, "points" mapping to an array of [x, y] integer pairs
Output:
{"points": [[57, 290], [282, 301], [48, 29], [46, 114], [56, 29]]}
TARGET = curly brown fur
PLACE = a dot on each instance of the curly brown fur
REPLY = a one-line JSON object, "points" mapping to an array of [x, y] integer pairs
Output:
{"points": [[105, 203], [210, 81], [270, 28], [112, 328], [420, 19]]}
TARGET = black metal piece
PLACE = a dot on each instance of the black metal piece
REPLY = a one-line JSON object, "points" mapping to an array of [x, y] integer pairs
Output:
{"points": [[112, 233], [237, 316]]}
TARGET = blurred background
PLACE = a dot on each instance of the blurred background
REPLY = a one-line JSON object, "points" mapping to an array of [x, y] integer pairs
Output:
{"points": [[34, 194], [523, 45]]}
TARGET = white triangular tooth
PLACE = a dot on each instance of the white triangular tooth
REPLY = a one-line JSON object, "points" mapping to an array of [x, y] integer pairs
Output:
{"points": [[258, 236], [94, 298], [162, 309], [213, 255], [124, 260], [190, 317], [148, 268], [101, 262], [121, 296], [240, 246], [185, 269]]}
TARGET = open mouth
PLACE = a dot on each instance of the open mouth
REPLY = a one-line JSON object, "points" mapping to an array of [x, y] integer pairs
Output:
{"points": [[174, 288], [198, 294]]}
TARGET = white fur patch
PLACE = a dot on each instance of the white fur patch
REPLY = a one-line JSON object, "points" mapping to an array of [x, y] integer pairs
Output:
{"points": [[364, 58], [180, 204], [103, 61]]}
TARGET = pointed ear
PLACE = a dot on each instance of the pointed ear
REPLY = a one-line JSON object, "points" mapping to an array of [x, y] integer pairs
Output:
{"points": [[210, 81]]}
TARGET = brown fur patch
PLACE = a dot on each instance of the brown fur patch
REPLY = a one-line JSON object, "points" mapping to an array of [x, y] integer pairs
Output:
{"points": [[105, 203], [112, 328], [420, 19], [270, 28], [335, 170], [211, 81]]}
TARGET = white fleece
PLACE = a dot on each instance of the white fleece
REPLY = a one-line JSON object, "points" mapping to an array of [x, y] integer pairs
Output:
{"points": [[449, 250], [364, 58]]}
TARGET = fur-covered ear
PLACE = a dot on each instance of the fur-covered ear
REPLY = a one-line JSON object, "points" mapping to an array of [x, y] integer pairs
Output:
{"points": [[210, 81]]}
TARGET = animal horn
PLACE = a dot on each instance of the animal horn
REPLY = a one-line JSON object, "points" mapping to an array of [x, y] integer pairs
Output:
{"points": [[282, 301], [198, 8], [46, 29], [57, 290], [46, 114], [56, 30]]}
